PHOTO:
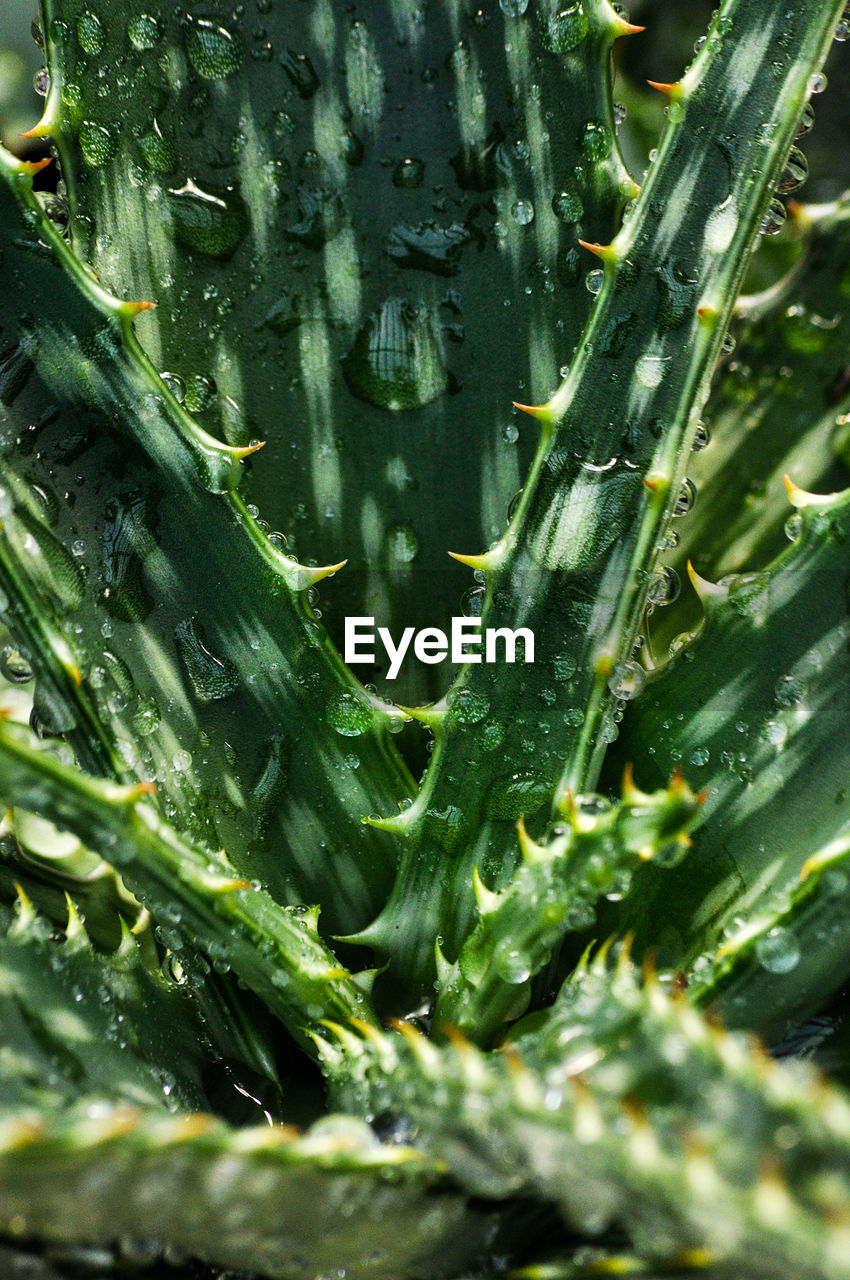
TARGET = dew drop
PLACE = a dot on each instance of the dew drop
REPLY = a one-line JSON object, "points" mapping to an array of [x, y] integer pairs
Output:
{"points": [[567, 206], [96, 144], [702, 438], [349, 715], [790, 690], [408, 174], [561, 32], [817, 82], [650, 370], [686, 499], [468, 706], [396, 362], [778, 951], [793, 526], [212, 678], [794, 173], [210, 223], [806, 122], [144, 31], [513, 8], [774, 220], [213, 51], [14, 667], [627, 680], [522, 212], [664, 587], [593, 281], [90, 32]]}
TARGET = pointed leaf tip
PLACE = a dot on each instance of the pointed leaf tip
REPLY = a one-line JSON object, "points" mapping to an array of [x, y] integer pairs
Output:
{"points": [[326, 571]]}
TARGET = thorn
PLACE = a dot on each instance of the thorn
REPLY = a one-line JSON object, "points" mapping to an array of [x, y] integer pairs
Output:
{"points": [[705, 590], [486, 899], [245, 451], [656, 482], [317, 573], [474, 562], [131, 309], [631, 793], [708, 315], [26, 912], [445, 970], [75, 930], [367, 1031], [541, 411], [531, 851], [566, 806], [627, 28], [129, 795], [431, 715], [650, 973], [33, 167], [606, 252], [674, 92]]}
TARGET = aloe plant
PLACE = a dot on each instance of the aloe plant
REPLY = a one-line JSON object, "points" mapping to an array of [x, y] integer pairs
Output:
{"points": [[313, 966]]}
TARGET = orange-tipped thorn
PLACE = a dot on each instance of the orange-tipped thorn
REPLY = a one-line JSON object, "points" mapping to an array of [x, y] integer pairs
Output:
{"points": [[673, 91], [606, 252], [473, 562], [132, 309], [656, 483], [245, 451], [708, 315], [34, 166], [535, 410], [628, 28]]}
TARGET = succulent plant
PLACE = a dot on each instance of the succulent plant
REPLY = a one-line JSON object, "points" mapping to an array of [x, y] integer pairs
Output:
{"points": [[268, 1003]]}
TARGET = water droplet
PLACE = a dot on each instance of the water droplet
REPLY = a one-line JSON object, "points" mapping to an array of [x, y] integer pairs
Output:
{"points": [[700, 757], [41, 82], [775, 732], [686, 499], [817, 82], [727, 346], [562, 31], [567, 206], [14, 667], [794, 173], [396, 362], [807, 121], [513, 8], [594, 281], [512, 966], [650, 370], [522, 212], [774, 220], [211, 677], [472, 602], [96, 144], [175, 385], [90, 33], [409, 174], [401, 543], [516, 794], [210, 223], [702, 438], [427, 246], [468, 706], [596, 141], [513, 504], [349, 715], [842, 31], [778, 950], [157, 151], [627, 680], [182, 761], [794, 526], [200, 392], [790, 690], [213, 51], [664, 587], [144, 31]]}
